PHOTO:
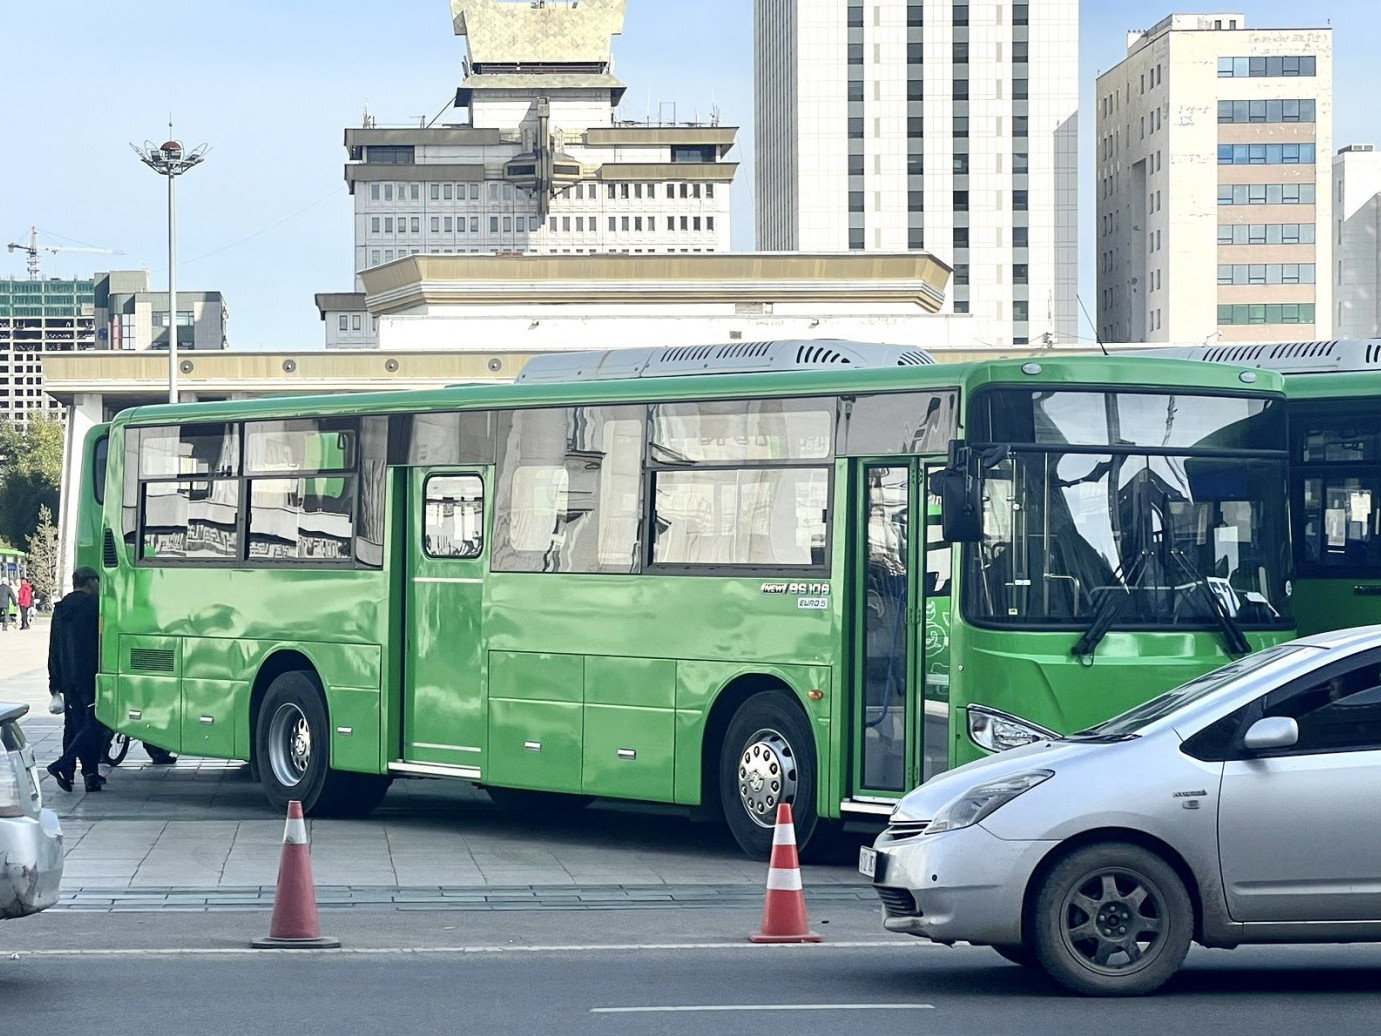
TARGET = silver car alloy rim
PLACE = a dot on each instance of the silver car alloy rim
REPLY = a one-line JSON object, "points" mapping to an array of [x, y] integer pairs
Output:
{"points": [[1113, 920], [290, 745], [766, 776]]}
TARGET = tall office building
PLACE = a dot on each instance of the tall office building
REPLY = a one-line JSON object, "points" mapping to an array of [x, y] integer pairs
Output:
{"points": [[1357, 242], [1214, 200], [108, 311], [533, 159], [888, 125]]}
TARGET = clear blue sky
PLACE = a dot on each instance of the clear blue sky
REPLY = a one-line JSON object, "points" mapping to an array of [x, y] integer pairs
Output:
{"points": [[271, 85]]}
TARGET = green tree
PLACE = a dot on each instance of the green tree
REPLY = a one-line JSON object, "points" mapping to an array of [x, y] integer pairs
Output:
{"points": [[43, 557], [30, 476]]}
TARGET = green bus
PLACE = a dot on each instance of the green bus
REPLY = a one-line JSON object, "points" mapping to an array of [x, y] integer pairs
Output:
{"points": [[1332, 390], [649, 575]]}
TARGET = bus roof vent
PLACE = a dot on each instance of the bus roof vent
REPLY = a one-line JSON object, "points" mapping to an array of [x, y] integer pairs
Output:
{"points": [[730, 358], [1322, 357]]}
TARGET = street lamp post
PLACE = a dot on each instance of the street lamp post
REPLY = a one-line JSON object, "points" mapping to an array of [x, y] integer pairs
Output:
{"points": [[170, 159]]}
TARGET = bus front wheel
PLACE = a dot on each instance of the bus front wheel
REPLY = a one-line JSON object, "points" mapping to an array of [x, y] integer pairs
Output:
{"points": [[291, 742], [767, 758]]}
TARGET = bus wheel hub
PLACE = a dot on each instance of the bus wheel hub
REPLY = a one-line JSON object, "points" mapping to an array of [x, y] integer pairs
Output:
{"points": [[766, 776]]}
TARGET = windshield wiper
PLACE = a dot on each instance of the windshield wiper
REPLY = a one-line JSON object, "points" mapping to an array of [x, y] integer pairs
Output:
{"points": [[1109, 608], [1232, 633]]}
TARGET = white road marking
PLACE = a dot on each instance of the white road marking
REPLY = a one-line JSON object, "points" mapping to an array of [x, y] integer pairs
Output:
{"points": [[762, 1007]]}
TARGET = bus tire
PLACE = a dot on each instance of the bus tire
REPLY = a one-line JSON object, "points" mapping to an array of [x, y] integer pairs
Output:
{"points": [[767, 758], [291, 743]]}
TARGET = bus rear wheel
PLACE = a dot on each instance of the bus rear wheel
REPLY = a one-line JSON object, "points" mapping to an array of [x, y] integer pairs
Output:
{"points": [[767, 758], [292, 750]]}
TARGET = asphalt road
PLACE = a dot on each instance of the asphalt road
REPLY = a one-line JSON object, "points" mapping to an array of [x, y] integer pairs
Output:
{"points": [[695, 988]]}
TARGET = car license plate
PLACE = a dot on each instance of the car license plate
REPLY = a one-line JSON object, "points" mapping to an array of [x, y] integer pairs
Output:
{"points": [[867, 861]]}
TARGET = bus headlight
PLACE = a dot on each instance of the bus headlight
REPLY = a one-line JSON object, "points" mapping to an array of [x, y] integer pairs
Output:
{"points": [[998, 731]]}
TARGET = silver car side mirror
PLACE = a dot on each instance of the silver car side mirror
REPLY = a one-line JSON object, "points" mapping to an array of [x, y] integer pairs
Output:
{"points": [[1272, 732]]}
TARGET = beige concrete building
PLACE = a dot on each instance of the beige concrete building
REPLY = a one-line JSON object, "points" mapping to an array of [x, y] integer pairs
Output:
{"points": [[555, 303], [1213, 184], [533, 158]]}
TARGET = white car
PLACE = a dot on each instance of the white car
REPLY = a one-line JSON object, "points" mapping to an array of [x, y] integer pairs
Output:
{"points": [[30, 836], [1241, 807]]}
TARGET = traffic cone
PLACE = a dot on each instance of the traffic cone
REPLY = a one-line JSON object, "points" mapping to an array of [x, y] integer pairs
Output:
{"points": [[784, 910], [295, 925]]}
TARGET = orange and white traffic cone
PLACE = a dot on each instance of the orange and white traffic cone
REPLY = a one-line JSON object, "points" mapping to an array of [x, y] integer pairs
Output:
{"points": [[295, 924], [784, 910]]}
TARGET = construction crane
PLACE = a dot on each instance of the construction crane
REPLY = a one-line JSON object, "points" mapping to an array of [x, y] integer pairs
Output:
{"points": [[33, 248]]}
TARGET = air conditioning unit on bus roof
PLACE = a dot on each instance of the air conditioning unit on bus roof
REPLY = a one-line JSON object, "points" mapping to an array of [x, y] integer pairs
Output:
{"points": [[1324, 357], [727, 358]]}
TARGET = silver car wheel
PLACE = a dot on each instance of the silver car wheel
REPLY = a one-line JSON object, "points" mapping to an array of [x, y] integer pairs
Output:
{"points": [[1112, 920], [290, 745], [766, 776]]}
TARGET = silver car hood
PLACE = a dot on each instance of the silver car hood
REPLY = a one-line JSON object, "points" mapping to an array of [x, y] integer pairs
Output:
{"points": [[925, 801]]}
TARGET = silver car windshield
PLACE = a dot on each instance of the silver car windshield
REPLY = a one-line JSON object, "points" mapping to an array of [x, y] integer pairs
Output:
{"points": [[1128, 723]]}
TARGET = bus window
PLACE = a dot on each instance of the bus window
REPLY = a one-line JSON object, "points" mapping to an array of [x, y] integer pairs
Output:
{"points": [[453, 525], [567, 496]]}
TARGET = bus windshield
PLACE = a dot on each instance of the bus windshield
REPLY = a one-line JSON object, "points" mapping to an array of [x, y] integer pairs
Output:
{"points": [[1140, 510]]}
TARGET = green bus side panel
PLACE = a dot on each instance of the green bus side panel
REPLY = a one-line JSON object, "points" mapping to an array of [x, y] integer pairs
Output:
{"points": [[1324, 605], [191, 694], [629, 752], [645, 682], [355, 728], [630, 727], [1031, 675], [699, 684], [535, 676], [209, 710], [535, 744]]}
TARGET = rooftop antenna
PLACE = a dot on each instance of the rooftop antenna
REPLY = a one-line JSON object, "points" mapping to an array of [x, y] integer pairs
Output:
{"points": [[1096, 337]]}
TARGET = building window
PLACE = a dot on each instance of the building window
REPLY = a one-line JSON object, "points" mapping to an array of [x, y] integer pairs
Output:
{"points": [[493, 224], [1021, 237], [344, 322], [961, 237], [508, 224], [855, 201], [961, 89], [373, 224], [1019, 201], [374, 192], [1272, 67], [1265, 154], [435, 224], [416, 224], [1258, 313], [961, 201], [434, 191]]}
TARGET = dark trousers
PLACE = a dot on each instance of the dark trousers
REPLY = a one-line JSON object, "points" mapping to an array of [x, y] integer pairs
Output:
{"points": [[82, 738], [25, 616]]}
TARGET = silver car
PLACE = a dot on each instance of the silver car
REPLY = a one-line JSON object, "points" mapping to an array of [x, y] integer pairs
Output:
{"points": [[30, 836], [1242, 807]]}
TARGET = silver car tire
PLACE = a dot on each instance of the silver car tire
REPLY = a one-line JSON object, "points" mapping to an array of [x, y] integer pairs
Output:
{"points": [[1112, 919]]}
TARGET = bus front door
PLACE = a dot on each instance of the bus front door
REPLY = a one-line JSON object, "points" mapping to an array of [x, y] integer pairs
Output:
{"points": [[444, 719], [899, 739]]}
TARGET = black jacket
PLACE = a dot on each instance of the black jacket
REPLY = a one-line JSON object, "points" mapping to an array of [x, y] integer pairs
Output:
{"points": [[7, 597], [74, 647]]}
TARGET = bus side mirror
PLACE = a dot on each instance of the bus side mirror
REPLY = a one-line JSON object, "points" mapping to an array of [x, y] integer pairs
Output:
{"points": [[960, 489]]}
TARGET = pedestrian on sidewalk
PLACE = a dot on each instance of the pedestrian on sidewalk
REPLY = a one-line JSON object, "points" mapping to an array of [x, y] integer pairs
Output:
{"points": [[73, 654], [26, 604], [6, 603]]}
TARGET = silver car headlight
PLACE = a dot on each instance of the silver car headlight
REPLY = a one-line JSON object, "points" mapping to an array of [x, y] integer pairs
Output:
{"points": [[998, 731], [983, 800]]}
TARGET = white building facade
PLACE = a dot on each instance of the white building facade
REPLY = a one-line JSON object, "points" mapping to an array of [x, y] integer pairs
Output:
{"points": [[535, 159], [886, 125], [1357, 241], [1214, 199]]}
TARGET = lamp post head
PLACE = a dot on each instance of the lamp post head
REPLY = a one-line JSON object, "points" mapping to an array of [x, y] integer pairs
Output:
{"points": [[172, 150]]}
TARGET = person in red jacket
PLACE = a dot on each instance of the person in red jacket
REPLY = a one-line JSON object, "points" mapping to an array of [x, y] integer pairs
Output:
{"points": [[26, 603]]}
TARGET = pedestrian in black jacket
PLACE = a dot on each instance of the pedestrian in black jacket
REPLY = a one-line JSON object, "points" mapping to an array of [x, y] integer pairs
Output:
{"points": [[73, 658]]}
